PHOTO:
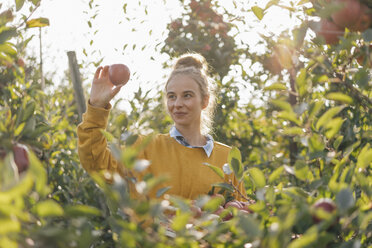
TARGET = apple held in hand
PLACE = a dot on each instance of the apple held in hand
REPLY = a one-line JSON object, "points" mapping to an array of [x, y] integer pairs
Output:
{"points": [[119, 74]]}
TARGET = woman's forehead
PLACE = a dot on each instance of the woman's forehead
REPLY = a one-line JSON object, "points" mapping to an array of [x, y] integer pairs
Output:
{"points": [[181, 83]]}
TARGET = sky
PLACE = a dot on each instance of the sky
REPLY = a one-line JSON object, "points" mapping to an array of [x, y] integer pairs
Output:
{"points": [[111, 29]]}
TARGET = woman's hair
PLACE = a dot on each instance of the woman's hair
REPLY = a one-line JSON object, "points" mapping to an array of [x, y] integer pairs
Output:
{"points": [[195, 66]]}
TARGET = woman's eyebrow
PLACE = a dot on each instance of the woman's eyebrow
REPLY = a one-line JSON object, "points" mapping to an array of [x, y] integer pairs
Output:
{"points": [[188, 91]]}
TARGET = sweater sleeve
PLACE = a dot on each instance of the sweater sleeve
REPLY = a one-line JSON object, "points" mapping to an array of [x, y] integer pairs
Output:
{"points": [[93, 151]]}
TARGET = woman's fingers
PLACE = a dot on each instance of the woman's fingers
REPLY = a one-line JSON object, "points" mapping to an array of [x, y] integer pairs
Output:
{"points": [[116, 90], [96, 75], [105, 71]]}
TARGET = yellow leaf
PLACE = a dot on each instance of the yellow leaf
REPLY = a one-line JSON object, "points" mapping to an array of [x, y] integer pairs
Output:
{"points": [[39, 22]]}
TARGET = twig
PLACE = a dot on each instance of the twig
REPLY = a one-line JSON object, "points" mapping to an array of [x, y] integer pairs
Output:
{"points": [[240, 193], [356, 93], [29, 16]]}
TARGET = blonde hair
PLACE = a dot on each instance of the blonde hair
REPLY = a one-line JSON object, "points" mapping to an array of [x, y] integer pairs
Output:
{"points": [[195, 66]]}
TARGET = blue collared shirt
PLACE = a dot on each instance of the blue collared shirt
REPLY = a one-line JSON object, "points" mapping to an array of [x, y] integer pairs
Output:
{"points": [[208, 147]]}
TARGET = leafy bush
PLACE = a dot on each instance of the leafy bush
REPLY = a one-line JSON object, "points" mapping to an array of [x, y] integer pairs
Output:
{"points": [[309, 141]]}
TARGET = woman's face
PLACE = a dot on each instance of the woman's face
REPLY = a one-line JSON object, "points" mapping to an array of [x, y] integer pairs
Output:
{"points": [[185, 102]]}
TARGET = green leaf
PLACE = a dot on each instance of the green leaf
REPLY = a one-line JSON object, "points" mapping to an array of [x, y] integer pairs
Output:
{"points": [[315, 107], [234, 153], [39, 22], [258, 12], [225, 186], [276, 86], [29, 110], [338, 141], [258, 206], [333, 126], [257, 177], [39, 173], [180, 221], [35, 2], [82, 210], [48, 208], [19, 129], [7, 33], [8, 49], [327, 116], [235, 163], [271, 3], [293, 131], [365, 157], [9, 226], [276, 174], [290, 116], [237, 168], [367, 35], [282, 104], [302, 171], [213, 203], [299, 35], [19, 4], [316, 144], [345, 200], [336, 96], [107, 135], [306, 240], [217, 170], [250, 226], [301, 80], [162, 191]]}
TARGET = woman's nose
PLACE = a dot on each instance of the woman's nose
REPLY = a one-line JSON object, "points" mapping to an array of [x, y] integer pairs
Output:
{"points": [[178, 102]]}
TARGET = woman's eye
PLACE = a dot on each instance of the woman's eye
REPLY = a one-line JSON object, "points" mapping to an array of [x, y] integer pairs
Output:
{"points": [[171, 97], [188, 95]]}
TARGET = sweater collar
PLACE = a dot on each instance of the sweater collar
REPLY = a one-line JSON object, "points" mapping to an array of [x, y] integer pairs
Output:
{"points": [[208, 147]]}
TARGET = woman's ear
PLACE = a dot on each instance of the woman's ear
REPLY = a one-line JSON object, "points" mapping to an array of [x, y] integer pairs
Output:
{"points": [[205, 102]]}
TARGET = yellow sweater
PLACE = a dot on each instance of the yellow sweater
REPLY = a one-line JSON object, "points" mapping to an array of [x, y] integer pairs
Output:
{"points": [[184, 166]]}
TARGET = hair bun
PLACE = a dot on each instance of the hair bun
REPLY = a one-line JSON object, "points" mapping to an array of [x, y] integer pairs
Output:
{"points": [[192, 60]]}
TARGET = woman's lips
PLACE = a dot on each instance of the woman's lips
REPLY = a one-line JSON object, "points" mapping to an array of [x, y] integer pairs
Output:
{"points": [[179, 114]]}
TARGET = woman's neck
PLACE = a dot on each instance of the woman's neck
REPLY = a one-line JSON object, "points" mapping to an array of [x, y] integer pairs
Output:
{"points": [[192, 136]]}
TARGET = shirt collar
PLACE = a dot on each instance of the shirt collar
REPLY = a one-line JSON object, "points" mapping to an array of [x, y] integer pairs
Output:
{"points": [[208, 147]]}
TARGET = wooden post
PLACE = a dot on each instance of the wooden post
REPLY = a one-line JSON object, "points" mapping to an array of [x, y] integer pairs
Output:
{"points": [[76, 81]]}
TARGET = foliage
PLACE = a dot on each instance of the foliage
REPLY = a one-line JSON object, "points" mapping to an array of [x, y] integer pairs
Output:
{"points": [[310, 140]]}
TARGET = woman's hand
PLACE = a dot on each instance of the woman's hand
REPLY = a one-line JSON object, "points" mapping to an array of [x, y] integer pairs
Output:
{"points": [[103, 90]]}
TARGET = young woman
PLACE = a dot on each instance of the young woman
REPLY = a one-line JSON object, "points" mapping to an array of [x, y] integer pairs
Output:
{"points": [[180, 154]]}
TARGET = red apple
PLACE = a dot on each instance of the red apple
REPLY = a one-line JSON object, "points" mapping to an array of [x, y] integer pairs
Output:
{"points": [[329, 31], [325, 204], [364, 20], [348, 15], [246, 207], [194, 5], [21, 157], [219, 196], [219, 210], [197, 212], [234, 204], [119, 74], [20, 62], [175, 24]]}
